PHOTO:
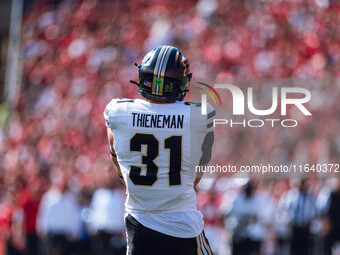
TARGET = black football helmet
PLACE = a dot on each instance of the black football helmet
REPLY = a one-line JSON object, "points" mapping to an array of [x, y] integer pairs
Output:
{"points": [[164, 75]]}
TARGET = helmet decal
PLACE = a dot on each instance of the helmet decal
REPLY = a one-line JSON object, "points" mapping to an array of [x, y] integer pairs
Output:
{"points": [[163, 68], [163, 56], [155, 71], [146, 60]]}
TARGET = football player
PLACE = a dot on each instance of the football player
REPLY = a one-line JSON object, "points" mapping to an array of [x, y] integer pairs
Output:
{"points": [[155, 144]]}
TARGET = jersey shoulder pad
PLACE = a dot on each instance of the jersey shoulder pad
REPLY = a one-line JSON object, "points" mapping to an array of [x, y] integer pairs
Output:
{"points": [[197, 107], [114, 108], [202, 116]]}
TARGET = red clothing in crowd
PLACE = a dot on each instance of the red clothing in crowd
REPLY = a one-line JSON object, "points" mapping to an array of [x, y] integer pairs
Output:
{"points": [[30, 208]]}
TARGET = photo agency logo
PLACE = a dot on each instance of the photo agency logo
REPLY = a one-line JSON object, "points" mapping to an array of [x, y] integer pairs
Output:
{"points": [[282, 99]]}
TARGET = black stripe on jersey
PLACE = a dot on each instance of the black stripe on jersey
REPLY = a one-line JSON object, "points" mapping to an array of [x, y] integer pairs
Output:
{"points": [[126, 101], [194, 103], [209, 125], [212, 114]]}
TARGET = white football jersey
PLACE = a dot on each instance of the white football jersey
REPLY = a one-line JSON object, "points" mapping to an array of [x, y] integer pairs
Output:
{"points": [[158, 147]]}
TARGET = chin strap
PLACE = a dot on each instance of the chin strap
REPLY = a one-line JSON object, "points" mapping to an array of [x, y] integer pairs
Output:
{"points": [[189, 76], [134, 82], [183, 94]]}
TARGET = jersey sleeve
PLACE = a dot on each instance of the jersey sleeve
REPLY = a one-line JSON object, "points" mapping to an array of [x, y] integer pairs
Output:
{"points": [[110, 114]]}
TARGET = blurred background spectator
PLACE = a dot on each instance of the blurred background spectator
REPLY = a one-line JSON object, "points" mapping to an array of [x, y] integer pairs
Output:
{"points": [[248, 218], [107, 207], [300, 205], [77, 55], [329, 205], [58, 220], [30, 208]]}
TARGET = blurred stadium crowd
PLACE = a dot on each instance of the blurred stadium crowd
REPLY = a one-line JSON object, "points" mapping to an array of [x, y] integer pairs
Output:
{"points": [[56, 181]]}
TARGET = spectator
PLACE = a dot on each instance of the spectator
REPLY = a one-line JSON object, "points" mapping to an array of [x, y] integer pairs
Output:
{"points": [[11, 223], [84, 243], [282, 219], [30, 209], [330, 210], [108, 213], [301, 205], [249, 220], [58, 221]]}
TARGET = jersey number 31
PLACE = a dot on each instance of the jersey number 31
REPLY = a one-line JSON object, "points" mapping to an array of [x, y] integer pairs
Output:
{"points": [[172, 143]]}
